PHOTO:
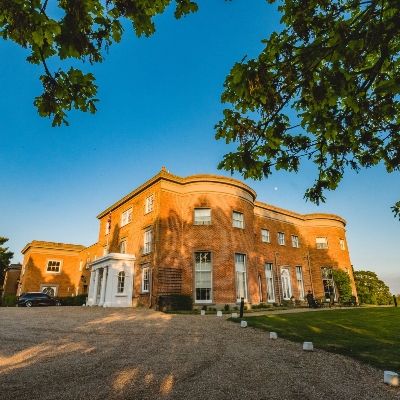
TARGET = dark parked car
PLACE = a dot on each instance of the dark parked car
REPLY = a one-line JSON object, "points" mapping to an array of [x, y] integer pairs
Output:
{"points": [[31, 299]]}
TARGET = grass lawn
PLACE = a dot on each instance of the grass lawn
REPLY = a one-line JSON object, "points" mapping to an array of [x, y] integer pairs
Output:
{"points": [[371, 335]]}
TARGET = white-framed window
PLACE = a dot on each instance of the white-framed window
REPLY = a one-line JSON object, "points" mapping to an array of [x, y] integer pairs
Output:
{"points": [[145, 279], [49, 290], [238, 220], [122, 247], [342, 245], [269, 276], [203, 276], [286, 286], [281, 238], [295, 241], [327, 281], [322, 242], [126, 217], [121, 282], [108, 224], [147, 241], [300, 282], [202, 216], [23, 270], [53, 266], [105, 250], [149, 203], [80, 265], [241, 277], [88, 262], [265, 236]]}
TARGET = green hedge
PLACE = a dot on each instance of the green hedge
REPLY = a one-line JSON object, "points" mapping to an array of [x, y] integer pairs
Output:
{"points": [[175, 302], [78, 300], [10, 301]]}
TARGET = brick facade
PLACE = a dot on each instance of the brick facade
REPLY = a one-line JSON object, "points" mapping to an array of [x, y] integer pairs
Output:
{"points": [[164, 208]]}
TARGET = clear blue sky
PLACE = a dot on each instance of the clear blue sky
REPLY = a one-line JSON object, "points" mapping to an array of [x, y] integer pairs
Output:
{"points": [[160, 100]]}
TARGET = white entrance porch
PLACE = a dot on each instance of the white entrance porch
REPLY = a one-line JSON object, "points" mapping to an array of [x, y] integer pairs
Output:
{"points": [[111, 280]]}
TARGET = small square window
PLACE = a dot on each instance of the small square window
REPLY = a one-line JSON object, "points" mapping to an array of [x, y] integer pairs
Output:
{"points": [[322, 242], [238, 221], [53, 267], [126, 217], [202, 216], [265, 236], [281, 238], [149, 204], [342, 245], [295, 241]]}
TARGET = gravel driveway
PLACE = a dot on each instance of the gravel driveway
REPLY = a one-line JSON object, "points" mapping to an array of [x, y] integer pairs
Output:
{"points": [[105, 353]]}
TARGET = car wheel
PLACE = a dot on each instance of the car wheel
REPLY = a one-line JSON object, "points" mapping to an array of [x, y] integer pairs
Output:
{"points": [[29, 304], [58, 303]]}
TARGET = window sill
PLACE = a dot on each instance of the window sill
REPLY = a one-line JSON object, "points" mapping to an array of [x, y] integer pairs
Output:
{"points": [[145, 254], [143, 293], [121, 295]]}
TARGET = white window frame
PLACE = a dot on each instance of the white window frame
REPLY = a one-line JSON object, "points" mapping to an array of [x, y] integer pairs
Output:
{"points": [[145, 279], [121, 282], [147, 239], [59, 266], [126, 217], [300, 282], [200, 216], [270, 282], [265, 235], [203, 271], [241, 277], [238, 219], [43, 287], [23, 270], [80, 265], [342, 244], [149, 203], [295, 241], [122, 247], [281, 238], [321, 242], [286, 283], [105, 251]]}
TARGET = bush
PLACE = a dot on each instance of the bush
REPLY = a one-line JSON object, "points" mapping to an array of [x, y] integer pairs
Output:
{"points": [[181, 302], [10, 301], [78, 300], [226, 307], [342, 280]]}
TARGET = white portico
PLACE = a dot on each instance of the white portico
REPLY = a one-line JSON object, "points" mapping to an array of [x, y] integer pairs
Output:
{"points": [[111, 280]]}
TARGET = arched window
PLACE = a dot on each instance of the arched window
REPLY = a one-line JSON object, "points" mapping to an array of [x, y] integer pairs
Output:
{"points": [[121, 281]]}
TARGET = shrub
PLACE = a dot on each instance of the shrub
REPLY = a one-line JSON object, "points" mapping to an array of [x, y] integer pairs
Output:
{"points": [[78, 300], [226, 307], [182, 302], [10, 301], [342, 280], [236, 308]]}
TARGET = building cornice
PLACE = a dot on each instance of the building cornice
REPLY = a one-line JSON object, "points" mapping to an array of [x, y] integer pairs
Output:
{"points": [[164, 175], [38, 244]]}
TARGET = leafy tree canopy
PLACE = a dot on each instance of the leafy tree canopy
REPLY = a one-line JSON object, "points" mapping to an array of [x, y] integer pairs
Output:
{"points": [[326, 88], [80, 29], [370, 287], [5, 258]]}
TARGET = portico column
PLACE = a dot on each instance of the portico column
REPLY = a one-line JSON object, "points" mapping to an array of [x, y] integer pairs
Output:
{"points": [[96, 284], [103, 286], [90, 294]]}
